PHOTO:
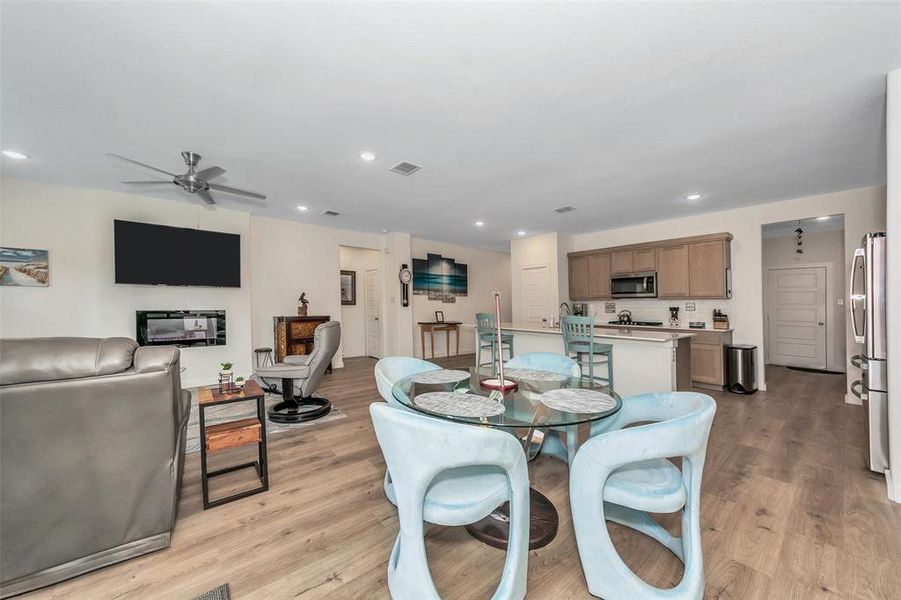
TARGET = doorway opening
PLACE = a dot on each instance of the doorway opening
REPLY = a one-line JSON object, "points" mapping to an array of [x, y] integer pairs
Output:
{"points": [[803, 294], [361, 302]]}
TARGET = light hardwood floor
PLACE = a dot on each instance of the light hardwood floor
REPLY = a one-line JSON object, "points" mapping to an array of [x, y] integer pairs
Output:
{"points": [[788, 512]]}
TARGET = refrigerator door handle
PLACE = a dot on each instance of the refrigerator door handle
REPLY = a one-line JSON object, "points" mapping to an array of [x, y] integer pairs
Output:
{"points": [[857, 361], [859, 336], [857, 390]]}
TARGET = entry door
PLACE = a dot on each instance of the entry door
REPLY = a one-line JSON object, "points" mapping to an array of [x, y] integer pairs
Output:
{"points": [[797, 317], [374, 313], [536, 288]]}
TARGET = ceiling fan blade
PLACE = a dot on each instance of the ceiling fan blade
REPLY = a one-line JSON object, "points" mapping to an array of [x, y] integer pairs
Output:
{"points": [[210, 173], [147, 182], [206, 196], [231, 190], [142, 164]]}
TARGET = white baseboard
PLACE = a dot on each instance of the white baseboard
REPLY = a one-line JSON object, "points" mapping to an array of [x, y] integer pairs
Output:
{"points": [[852, 399], [894, 487]]}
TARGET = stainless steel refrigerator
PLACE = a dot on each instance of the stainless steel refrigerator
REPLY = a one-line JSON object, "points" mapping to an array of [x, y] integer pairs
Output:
{"points": [[868, 322]]}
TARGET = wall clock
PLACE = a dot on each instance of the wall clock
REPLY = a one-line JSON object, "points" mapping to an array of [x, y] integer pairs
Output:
{"points": [[405, 276]]}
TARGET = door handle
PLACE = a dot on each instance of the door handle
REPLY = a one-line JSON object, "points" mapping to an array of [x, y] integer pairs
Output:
{"points": [[820, 323], [857, 361], [857, 390], [859, 335]]}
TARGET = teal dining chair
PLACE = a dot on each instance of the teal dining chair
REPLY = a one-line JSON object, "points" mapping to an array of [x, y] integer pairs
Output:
{"points": [[450, 474], [622, 474], [388, 371], [579, 341], [564, 443], [486, 339]]}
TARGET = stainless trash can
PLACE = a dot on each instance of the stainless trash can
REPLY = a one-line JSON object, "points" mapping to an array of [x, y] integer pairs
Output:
{"points": [[741, 368]]}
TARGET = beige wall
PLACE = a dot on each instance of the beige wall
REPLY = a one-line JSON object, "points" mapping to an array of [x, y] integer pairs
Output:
{"points": [[863, 210], [893, 239], [280, 259], [826, 249], [487, 271], [353, 317]]}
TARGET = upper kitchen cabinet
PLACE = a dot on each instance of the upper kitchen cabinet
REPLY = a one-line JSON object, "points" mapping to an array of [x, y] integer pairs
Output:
{"points": [[633, 261], [672, 271], [694, 267], [709, 264], [589, 276]]}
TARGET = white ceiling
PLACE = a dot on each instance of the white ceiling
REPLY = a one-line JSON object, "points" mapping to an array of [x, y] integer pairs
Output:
{"points": [[512, 108]]}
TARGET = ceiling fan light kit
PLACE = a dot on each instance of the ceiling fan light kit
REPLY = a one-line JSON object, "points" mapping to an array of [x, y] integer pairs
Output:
{"points": [[193, 181]]}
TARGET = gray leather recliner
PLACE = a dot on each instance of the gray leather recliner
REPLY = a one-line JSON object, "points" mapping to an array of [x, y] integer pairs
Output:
{"points": [[300, 376], [92, 442]]}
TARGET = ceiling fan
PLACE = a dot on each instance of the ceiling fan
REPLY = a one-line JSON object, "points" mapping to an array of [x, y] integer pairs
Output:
{"points": [[195, 182]]}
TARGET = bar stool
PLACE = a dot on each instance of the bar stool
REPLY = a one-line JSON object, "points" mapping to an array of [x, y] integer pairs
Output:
{"points": [[486, 339], [263, 357], [579, 343]]}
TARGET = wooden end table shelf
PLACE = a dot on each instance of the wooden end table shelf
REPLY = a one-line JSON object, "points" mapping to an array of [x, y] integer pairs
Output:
{"points": [[232, 434]]}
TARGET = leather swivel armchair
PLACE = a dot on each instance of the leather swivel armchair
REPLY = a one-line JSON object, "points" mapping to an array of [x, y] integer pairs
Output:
{"points": [[92, 446], [300, 376]]}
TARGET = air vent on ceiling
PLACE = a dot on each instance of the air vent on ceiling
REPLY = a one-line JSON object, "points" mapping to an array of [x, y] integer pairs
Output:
{"points": [[564, 209], [331, 213], [405, 168]]}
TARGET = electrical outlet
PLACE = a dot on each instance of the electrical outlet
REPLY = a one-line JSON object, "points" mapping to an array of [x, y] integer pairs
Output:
{"points": [[689, 307], [609, 307]]}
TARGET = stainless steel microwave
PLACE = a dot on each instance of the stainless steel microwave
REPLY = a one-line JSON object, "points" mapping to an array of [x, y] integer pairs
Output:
{"points": [[634, 285]]}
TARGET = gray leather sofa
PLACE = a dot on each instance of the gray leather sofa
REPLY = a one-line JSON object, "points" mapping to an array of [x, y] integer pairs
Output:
{"points": [[92, 442]]}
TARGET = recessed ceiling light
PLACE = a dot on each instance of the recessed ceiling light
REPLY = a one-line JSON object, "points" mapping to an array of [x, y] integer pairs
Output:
{"points": [[302, 208], [384, 231], [14, 154], [826, 218], [520, 232], [367, 156], [480, 223], [693, 197]]}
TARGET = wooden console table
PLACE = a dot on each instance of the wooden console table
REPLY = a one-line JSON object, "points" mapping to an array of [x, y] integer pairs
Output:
{"points": [[294, 335], [431, 327], [232, 434]]}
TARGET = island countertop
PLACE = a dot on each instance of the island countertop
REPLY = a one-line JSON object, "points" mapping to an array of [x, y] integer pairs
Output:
{"points": [[630, 334]]}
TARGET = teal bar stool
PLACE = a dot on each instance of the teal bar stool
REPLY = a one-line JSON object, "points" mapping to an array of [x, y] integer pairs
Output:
{"points": [[579, 343], [450, 474], [486, 339], [622, 474]]}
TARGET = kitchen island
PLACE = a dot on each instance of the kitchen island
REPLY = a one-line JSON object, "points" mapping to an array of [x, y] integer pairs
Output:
{"points": [[643, 361]]}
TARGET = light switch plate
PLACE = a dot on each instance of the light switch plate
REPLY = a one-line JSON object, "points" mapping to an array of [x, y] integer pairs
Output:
{"points": [[609, 307], [689, 307]]}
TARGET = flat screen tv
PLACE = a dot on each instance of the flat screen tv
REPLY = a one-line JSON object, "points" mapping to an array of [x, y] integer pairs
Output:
{"points": [[160, 255]]}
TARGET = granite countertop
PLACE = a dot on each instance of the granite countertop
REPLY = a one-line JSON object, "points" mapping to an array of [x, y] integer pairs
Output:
{"points": [[667, 327], [642, 336]]}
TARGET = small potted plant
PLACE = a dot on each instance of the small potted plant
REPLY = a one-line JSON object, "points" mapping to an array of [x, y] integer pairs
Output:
{"points": [[226, 380], [226, 368], [239, 382]]}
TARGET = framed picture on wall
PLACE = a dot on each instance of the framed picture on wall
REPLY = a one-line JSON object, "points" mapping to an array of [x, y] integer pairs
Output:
{"points": [[26, 267], [439, 316], [349, 288]]}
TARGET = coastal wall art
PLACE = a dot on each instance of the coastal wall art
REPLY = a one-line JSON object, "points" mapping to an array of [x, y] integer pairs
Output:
{"points": [[24, 267], [440, 278]]}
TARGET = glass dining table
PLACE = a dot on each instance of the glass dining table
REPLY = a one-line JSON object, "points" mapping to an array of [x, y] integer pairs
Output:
{"points": [[542, 401]]}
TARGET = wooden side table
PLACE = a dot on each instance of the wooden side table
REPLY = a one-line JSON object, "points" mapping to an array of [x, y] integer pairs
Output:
{"points": [[431, 327], [232, 434]]}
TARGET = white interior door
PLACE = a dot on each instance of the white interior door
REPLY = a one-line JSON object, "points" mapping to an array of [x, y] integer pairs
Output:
{"points": [[796, 306], [373, 313], [536, 290]]}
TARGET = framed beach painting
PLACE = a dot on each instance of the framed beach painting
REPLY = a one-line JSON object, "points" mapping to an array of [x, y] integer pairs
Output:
{"points": [[24, 267]]}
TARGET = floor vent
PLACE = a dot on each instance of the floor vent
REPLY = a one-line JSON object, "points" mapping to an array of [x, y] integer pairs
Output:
{"points": [[564, 209], [331, 213], [405, 168]]}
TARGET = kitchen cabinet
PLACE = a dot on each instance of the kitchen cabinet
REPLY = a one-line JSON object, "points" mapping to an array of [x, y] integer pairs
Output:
{"points": [[579, 273], [621, 262], [672, 271], [599, 276], [707, 269], [692, 267], [707, 363]]}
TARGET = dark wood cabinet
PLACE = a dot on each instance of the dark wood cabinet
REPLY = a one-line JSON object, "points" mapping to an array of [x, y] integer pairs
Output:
{"points": [[294, 335]]}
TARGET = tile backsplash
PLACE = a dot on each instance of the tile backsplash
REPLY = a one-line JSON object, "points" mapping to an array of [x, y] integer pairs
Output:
{"points": [[648, 309]]}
